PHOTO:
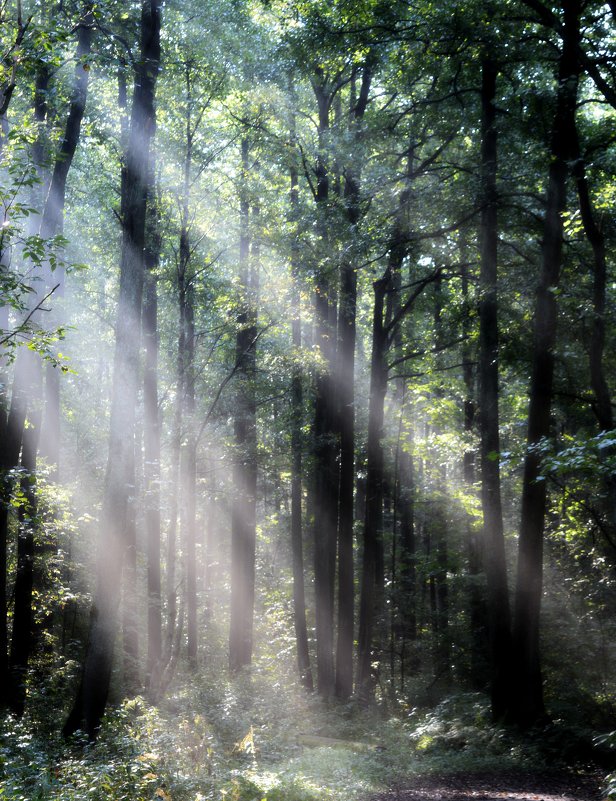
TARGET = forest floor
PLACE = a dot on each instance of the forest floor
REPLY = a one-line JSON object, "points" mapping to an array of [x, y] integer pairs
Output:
{"points": [[506, 785]]}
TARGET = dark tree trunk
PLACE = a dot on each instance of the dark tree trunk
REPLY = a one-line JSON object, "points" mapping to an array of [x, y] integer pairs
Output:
{"points": [[25, 406], [151, 438], [189, 478], [22, 634], [371, 597], [439, 537], [243, 513], [325, 418], [596, 350], [4, 434], [52, 224], [529, 706], [299, 597], [499, 616], [92, 697], [403, 564], [479, 663], [346, 400], [188, 455], [12, 432]]}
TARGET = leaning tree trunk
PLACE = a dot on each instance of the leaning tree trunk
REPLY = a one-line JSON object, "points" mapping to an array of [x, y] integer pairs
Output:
{"points": [[528, 704], [92, 696]]}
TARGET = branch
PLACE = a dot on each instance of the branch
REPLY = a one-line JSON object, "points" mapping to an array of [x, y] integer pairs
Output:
{"points": [[22, 326]]}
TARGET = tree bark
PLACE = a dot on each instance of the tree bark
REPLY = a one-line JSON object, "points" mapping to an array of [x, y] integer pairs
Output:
{"points": [[499, 615], [188, 455], [371, 597], [52, 223], [297, 547], [22, 634], [596, 351], [92, 697], [325, 437], [151, 437], [243, 513], [347, 310], [529, 706]]}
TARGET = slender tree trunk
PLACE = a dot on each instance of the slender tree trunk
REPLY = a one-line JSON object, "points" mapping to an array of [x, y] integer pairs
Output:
{"points": [[243, 513], [477, 597], [151, 440], [499, 621], [25, 406], [346, 400], [442, 650], [325, 440], [529, 701], [596, 352], [188, 455], [189, 478], [4, 435], [92, 697], [22, 634], [52, 224], [371, 597], [299, 597]]}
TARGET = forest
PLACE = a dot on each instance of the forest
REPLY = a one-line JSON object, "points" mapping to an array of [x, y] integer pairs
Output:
{"points": [[307, 365]]}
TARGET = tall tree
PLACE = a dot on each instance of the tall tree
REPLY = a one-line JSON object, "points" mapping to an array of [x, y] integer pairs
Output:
{"points": [[325, 438], [499, 621], [243, 512], [528, 706], [52, 222], [92, 696], [346, 399], [297, 545]]}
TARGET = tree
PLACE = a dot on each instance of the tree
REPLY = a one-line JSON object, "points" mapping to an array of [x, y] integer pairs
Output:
{"points": [[92, 695], [528, 705]]}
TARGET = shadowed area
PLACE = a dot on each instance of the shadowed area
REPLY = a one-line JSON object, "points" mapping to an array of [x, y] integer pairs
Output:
{"points": [[535, 786]]}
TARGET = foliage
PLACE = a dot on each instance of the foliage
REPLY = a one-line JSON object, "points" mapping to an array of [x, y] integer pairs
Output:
{"points": [[189, 749]]}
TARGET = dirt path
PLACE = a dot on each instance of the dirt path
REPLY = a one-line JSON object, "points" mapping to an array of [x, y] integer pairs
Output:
{"points": [[506, 786]]}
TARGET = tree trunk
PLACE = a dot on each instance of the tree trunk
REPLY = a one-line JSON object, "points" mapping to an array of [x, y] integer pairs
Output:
{"points": [[297, 548], [92, 697], [188, 455], [25, 406], [151, 437], [596, 351], [477, 598], [499, 616], [22, 635], [52, 224], [325, 439], [529, 697], [372, 591], [346, 399], [243, 513]]}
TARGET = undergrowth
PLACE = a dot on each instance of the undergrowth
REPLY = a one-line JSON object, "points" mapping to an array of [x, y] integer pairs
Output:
{"points": [[246, 740]]}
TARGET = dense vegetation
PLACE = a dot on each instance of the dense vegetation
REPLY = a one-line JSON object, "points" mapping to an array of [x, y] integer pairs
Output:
{"points": [[306, 371]]}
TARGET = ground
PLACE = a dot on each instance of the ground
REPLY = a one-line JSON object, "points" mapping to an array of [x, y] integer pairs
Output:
{"points": [[504, 786]]}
